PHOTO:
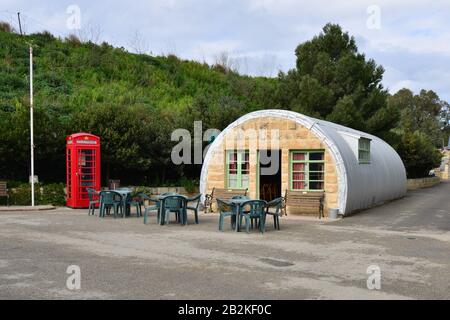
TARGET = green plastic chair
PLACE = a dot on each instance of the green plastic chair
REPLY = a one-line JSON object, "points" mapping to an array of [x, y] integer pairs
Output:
{"points": [[168, 194], [277, 204], [226, 209], [174, 204], [239, 197], [150, 208], [135, 201], [194, 208], [111, 199], [256, 210], [93, 200], [242, 197]]}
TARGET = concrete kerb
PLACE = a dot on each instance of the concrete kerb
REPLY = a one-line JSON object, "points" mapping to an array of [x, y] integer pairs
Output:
{"points": [[26, 208]]}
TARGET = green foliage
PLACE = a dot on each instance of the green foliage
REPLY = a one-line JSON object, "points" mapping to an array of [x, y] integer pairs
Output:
{"points": [[53, 194], [418, 131], [420, 112], [333, 81], [346, 112], [418, 154], [133, 102], [142, 189], [191, 185], [45, 194]]}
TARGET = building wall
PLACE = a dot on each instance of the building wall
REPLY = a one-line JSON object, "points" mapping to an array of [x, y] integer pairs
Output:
{"points": [[292, 136], [444, 171]]}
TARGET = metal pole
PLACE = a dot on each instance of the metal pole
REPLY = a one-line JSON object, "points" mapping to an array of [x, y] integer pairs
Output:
{"points": [[31, 127]]}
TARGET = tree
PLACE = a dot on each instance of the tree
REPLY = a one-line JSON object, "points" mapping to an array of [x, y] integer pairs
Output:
{"points": [[333, 81], [123, 136], [420, 112], [418, 154]]}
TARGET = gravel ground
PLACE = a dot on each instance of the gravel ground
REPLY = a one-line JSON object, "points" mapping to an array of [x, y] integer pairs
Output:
{"points": [[408, 239]]}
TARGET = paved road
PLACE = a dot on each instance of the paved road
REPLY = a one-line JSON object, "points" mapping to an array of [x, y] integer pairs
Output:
{"points": [[408, 239], [421, 210]]}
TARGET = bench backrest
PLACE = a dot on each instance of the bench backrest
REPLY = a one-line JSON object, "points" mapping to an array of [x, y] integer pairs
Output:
{"points": [[227, 194], [3, 189], [304, 199]]}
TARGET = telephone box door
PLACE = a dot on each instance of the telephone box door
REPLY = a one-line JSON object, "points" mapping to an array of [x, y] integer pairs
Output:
{"points": [[85, 173], [83, 168]]}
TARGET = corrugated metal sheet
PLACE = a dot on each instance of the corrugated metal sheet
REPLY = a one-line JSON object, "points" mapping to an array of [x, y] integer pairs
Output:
{"points": [[360, 185]]}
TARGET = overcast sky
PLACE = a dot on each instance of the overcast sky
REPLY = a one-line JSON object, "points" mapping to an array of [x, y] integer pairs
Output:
{"points": [[410, 38]]}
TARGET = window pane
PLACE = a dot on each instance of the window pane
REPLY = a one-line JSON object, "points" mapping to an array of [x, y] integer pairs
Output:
{"points": [[316, 156], [245, 179], [298, 156], [298, 185], [316, 167], [232, 183], [316, 185], [363, 155], [232, 157], [315, 176], [298, 167], [298, 176]]}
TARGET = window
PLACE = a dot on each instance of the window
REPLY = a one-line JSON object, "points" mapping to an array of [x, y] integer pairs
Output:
{"points": [[364, 150], [238, 169], [307, 170]]}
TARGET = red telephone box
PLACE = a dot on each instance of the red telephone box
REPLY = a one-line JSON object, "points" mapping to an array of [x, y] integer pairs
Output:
{"points": [[82, 168]]}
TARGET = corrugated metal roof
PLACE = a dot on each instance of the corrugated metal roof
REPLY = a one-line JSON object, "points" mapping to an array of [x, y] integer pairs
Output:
{"points": [[360, 185]]}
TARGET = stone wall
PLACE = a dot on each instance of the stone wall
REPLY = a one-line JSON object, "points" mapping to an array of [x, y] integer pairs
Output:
{"points": [[444, 175], [292, 136], [423, 183]]}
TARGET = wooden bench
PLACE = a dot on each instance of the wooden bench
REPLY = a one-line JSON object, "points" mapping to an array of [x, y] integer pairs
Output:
{"points": [[4, 191], [308, 202], [222, 193]]}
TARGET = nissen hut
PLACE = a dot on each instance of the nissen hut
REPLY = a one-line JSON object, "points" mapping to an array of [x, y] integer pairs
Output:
{"points": [[352, 169]]}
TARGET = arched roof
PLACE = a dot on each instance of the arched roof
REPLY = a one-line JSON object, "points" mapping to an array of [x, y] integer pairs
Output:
{"points": [[360, 185]]}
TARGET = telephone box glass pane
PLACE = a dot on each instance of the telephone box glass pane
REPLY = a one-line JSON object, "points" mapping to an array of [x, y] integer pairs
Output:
{"points": [[86, 171]]}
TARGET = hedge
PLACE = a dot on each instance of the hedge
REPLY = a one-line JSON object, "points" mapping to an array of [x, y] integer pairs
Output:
{"points": [[44, 194]]}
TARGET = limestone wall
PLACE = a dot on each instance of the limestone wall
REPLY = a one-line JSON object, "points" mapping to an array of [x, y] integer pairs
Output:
{"points": [[423, 183]]}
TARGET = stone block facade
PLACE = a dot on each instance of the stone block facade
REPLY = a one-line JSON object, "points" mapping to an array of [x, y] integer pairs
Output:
{"points": [[268, 133]]}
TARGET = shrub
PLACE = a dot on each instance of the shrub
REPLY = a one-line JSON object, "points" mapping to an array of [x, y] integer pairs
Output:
{"points": [[20, 195], [418, 154], [50, 194], [141, 189], [190, 185], [6, 27], [53, 194], [73, 40]]}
